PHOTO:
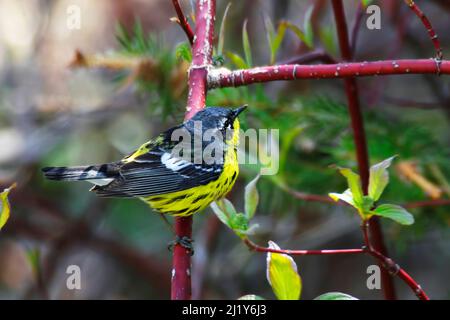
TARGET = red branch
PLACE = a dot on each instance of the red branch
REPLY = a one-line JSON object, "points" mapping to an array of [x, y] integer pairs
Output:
{"points": [[202, 55], [412, 284], [351, 89], [433, 35], [221, 78], [387, 263], [390, 266], [183, 22], [255, 247]]}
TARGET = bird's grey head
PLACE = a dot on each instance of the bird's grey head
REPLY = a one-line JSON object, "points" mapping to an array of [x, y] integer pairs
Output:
{"points": [[215, 118]]}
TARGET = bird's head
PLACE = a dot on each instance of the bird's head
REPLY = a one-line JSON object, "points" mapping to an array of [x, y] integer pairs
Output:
{"points": [[219, 119]]}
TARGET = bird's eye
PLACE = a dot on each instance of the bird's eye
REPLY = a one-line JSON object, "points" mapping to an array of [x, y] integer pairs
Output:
{"points": [[229, 124]]}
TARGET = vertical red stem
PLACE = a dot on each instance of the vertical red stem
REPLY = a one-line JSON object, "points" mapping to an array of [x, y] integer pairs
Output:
{"points": [[351, 89], [202, 55], [181, 272]]}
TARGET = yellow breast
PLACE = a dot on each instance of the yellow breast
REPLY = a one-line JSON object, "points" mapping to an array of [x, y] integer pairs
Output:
{"points": [[190, 201]]}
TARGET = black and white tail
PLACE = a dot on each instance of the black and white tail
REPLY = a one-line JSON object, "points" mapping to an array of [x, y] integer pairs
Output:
{"points": [[97, 174]]}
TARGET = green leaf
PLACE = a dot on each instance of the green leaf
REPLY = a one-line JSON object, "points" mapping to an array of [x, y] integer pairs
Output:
{"points": [[220, 213], [379, 178], [5, 207], [183, 52], [289, 25], [395, 213], [270, 32], [123, 37], [308, 29], [222, 31], [278, 38], [239, 224], [225, 211], [335, 296], [328, 39], [237, 60], [251, 198], [282, 275], [354, 183], [246, 45], [251, 297], [366, 205], [228, 207]]}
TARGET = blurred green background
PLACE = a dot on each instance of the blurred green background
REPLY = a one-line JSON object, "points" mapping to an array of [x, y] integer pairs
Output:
{"points": [[128, 83]]}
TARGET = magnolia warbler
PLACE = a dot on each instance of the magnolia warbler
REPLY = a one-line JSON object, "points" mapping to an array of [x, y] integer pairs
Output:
{"points": [[174, 177]]}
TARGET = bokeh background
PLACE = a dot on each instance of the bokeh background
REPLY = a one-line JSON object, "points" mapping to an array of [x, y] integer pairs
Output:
{"points": [[128, 83]]}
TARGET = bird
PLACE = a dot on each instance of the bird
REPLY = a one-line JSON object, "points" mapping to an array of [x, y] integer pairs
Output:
{"points": [[172, 172]]}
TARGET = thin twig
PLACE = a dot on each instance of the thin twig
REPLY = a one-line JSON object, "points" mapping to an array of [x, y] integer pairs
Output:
{"points": [[183, 22], [429, 27], [253, 246]]}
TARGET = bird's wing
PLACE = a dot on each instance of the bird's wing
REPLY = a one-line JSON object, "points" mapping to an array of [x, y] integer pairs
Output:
{"points": [[158, 171]]}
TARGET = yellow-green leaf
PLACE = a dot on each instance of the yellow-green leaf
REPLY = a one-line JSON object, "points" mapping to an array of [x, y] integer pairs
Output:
{"points": [[220, 213], [251, 198], [354, 183], [5, 208], [278, 38], [237, 60], [379, 178], [282, 275]]}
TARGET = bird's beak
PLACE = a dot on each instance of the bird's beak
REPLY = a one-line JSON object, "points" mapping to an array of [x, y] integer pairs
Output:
{"points": [[237, 111]]}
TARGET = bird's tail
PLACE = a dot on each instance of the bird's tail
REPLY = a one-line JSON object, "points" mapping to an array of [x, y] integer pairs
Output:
{"points": [[103, 171]]}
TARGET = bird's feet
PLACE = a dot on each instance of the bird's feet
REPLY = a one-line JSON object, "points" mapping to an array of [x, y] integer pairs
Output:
{"points": [[184, 241]]}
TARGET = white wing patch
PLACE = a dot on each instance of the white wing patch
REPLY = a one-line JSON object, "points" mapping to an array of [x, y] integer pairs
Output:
{"points": [[172, 163], [91, 173], [101, 182]]}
